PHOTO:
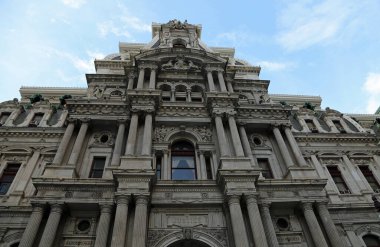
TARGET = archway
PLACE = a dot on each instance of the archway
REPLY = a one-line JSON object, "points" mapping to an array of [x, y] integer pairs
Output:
{"points": [[188, 243]]}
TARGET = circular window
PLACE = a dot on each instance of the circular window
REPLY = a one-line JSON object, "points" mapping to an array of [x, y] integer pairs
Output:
{"points": [[104, 138], [282, 223], [257, 141], [83, 225]]}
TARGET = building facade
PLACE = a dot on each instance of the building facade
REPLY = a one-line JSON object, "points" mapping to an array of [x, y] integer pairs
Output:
{"points": [[174, 143]]}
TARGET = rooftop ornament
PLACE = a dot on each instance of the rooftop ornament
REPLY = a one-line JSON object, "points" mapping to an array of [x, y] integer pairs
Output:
{"points": [[36, 98], [309, 106], [63, 99]]}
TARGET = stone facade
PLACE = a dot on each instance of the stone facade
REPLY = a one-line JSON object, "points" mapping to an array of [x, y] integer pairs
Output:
{"points": [[175, 143]]}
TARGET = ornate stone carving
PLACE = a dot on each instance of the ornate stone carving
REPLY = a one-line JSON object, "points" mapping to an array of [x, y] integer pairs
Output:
{"points": [[180, 63], [203, 133]]}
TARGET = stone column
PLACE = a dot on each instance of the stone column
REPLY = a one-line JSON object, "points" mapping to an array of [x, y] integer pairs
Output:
{"points": [[33, 225], [312, 223], [51, 226], [238, 227], [203, 165], [188, 95], [172, 95], [152, 79], [103, 225], [78, 143], [58, 158], [329, 225], [140, 222], [118, 144], [246, 145], [221, 136], [283, 149], [165, 166], [255, 221], [140, 81], [268, 224], [132, 135], [229, 86], [131, 78], [120, 225], [147, 137], [235, 136], [210, 80], [294, 146], [221, 81]]}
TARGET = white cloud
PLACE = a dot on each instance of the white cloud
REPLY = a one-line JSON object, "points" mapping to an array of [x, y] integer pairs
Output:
{"points": [[305, 24], [372, 87], [126, 23], [76, 4], [237, 38], [275, 66]]}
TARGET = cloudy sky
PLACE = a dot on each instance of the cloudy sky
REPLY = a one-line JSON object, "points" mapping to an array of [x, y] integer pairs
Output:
{"points": [[328, 48]]}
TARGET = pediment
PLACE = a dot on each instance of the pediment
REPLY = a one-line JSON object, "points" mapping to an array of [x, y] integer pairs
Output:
{"points": [[193, 56]]}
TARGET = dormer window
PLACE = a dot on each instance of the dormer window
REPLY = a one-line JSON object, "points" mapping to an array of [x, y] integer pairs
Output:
{"points": [[4, 116], [36, 120], [310, 124]]}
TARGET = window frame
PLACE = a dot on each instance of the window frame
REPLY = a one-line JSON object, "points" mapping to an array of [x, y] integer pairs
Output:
{"points": [[183, 153]]}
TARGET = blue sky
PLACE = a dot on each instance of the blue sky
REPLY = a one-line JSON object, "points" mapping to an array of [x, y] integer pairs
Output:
{"points": [[328, 48]]}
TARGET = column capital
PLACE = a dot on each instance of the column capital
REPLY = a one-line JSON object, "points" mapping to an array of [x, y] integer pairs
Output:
{"points": [[142, 199], [251, 198], [276, 126], [209, 69], [71, 120], [265, 204], [122, 199], [233, 199], [38, 207], [85, 120], [241, 123], [106, 208], [323, 203], [121, 121], [131, 75], [307, 206], [56, 208]]}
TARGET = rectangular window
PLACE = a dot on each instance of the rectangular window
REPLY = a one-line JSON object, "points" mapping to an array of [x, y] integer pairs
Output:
{"points": [[265, 167], [4, 116], [208, 167], [183, 168], [36, 120], [8, 176], [311, 125], [370, 178], [339, 126], [158, 167], [338, 179], [97, 167]]}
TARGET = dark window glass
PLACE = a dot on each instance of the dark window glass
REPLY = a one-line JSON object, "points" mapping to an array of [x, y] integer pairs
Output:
{"points": [[339, 126], [371, 240], [97, 167], [158, 167], [338, 179], [208, 167], [370, 178], [183, 162], [4, 117], [36, 120], [265, 168], [311, 125], [7, 178]]}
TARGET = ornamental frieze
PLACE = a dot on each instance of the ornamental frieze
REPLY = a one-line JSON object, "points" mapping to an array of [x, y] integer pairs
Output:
{"points": [[163, 133], [95, 109], [182, 111], [263, 113]]}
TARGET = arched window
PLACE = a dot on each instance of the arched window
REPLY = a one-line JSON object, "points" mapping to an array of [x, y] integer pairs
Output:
{"points": [[371, 240], [183, 161]]}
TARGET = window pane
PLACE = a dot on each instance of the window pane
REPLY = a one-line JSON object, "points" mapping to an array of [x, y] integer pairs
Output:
{"points": [[183, 162], [183, 174]]}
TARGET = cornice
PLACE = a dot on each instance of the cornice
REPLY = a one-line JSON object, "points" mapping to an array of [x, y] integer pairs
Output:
{"points": [[40, 132], [336, 138]]}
